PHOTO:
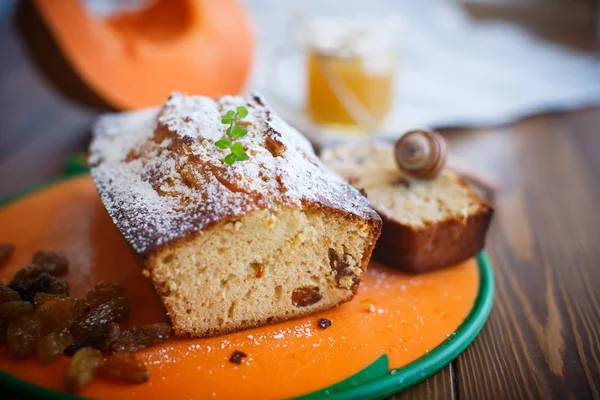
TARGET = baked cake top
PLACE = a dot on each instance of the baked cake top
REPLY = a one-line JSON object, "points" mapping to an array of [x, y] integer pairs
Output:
{"points": [[161, 177]]}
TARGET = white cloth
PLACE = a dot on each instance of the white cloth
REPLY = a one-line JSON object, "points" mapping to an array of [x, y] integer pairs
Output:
{"points": [[453, 71]]}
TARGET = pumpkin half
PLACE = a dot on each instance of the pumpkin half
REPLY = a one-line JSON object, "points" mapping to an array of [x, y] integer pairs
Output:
{"points": [[137, 58]]}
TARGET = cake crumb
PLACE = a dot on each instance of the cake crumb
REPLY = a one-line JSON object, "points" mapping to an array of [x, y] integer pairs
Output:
{"points": [[346, 282]]}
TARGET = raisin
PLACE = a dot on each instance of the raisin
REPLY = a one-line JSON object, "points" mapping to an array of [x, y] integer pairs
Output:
{"points": [[75, 347], [124, 367], [51, 346], [259, 270], [41, 298], [44, 282], [103, 292], [101, 338], [306, 296], [344, 275], [81, 369], [323, 323], [110, 334], [12, 310], [141, 336], [27, 273], [23, 334], [8, 294], [43, 261], [51, 262], [56, 314], [58, 286], [237, 357], [115, 310], [6, 250], [81, 308]]}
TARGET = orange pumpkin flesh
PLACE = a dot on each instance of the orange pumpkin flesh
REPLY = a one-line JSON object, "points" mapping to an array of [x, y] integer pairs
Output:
{"points": [[393, 313], [135, 59]]}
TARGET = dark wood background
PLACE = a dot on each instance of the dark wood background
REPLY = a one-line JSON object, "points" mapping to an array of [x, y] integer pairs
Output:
{"points": [[542, 339]]}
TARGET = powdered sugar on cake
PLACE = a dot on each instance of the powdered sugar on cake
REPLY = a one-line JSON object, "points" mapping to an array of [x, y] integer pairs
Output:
{"points": [[161, 177]]}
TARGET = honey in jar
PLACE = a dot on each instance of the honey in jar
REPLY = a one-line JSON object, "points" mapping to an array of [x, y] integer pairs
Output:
{"points": [[350, 76]]}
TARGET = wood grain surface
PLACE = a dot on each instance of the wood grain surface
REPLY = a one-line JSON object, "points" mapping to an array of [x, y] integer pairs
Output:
{"points": [[542, 340]]}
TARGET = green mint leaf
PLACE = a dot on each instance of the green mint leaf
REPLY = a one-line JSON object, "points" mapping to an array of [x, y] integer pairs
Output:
{"points": [[230, 114], [223, 144], [229, 159], [237, 149], [242, 111], [227, 120], [241, 156], [238, 132], [228, 131]]}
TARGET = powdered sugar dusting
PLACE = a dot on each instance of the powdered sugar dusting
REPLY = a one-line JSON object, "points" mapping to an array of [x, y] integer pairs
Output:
{"points": [[192, 117], [161, 177]]}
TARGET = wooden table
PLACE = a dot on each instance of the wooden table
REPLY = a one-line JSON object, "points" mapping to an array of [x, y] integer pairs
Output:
{"points": [[542, 339]]}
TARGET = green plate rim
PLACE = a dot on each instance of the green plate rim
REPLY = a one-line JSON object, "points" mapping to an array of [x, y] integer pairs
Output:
{"points": [[395, 381]]}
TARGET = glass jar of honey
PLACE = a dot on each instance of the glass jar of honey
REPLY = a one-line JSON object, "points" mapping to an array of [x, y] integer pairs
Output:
{"points": [[351, 67]]}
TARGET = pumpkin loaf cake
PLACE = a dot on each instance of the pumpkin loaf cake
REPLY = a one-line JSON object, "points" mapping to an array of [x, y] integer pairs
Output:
{"points": [[228, 247], [427, 224]]}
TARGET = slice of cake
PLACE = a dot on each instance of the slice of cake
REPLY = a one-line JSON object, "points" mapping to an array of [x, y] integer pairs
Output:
{"points": [[229, 247], [427, 224]]}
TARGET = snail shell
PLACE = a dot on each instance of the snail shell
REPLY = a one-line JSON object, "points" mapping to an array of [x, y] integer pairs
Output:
{"points": [[421, 153]]}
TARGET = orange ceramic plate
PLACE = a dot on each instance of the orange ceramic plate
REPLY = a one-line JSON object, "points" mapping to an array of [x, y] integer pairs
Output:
{"points": [[403, 316]]}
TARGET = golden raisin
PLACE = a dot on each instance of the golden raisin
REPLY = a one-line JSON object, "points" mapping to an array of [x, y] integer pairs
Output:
{"points": [[56, 314], [259, 270], [101, 338], [115, 310], [124, 367], [103, 292], [41, 298], [8, 294], [81, 306], [22, 335], [141, 336], [306, 296], [52, 346], [81, 369], [12, 310], [6, 250]]}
